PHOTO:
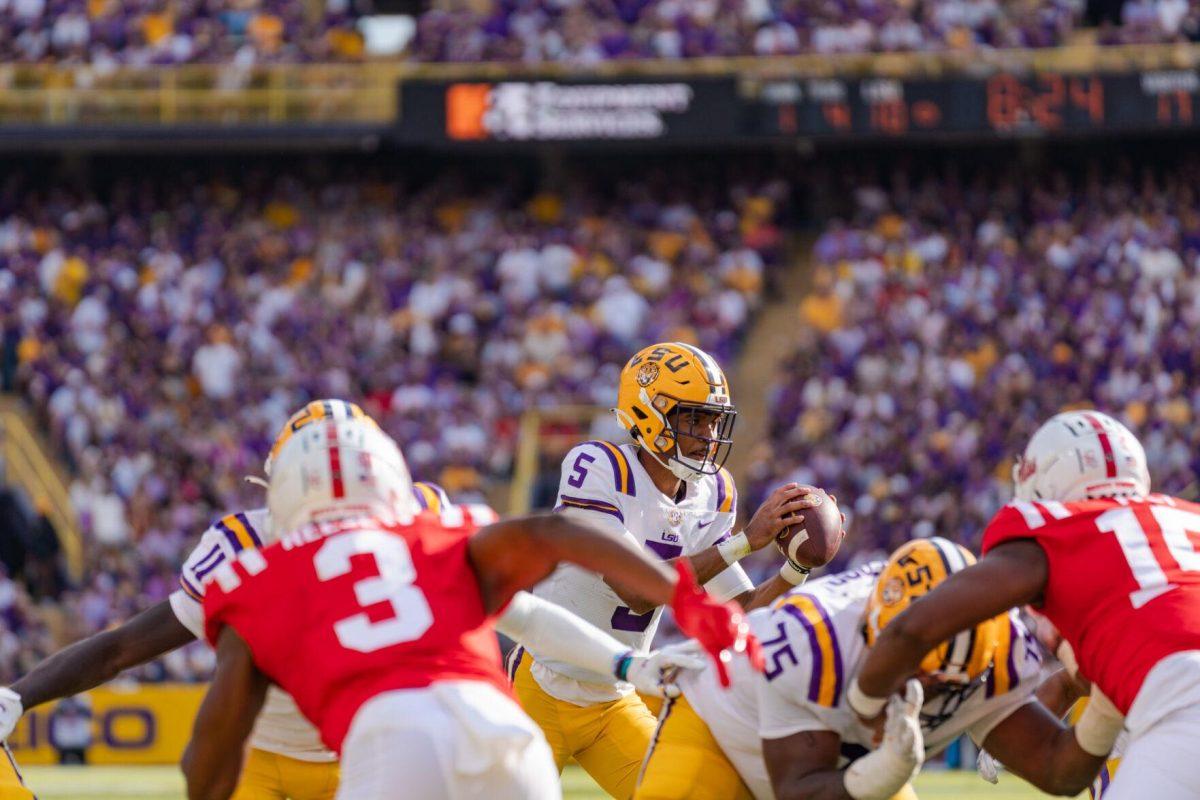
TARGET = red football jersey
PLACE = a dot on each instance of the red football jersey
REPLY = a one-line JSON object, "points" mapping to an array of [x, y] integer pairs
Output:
{"points": [[1124, 581], [337, 613]]}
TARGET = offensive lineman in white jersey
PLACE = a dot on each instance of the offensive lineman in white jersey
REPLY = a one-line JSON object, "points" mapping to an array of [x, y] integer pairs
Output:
{"points": [[789, 733], [668, 492], [286, 758]]}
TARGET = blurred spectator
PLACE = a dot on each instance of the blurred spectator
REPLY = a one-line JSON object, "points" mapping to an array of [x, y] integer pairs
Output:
{"points": [[14, 531], [45, 575], [71, 729]]}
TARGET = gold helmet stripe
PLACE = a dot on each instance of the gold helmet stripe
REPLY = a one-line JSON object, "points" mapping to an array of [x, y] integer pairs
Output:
{"points": [[959, 649]]}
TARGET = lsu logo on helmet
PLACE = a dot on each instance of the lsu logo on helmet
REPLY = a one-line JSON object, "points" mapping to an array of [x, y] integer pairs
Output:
{"points": [[312, 412], [673, 399], [912, 572]]}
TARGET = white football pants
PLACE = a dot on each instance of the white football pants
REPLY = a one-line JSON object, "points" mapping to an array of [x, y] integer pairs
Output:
{"points": [[455, 740], [1162, 759]]}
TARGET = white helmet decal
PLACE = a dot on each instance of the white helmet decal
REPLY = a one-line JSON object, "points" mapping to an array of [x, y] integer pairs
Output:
{"points": [[337, 468]]}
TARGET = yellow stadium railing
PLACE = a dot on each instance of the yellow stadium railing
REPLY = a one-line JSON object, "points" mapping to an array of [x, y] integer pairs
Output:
{"points": [[544, 430], [26, 465], [366, 93]]}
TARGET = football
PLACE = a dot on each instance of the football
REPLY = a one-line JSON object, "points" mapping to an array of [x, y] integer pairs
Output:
{"points": [[814, 542]]}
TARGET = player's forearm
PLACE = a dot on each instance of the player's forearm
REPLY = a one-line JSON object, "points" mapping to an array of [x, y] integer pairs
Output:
{"points": [[763, 594], [97, 659], [556, 634], [215, 781], [706, 565], [825, 785], [894, 657], [1061, 767], [1059, 692], [627, 569]]}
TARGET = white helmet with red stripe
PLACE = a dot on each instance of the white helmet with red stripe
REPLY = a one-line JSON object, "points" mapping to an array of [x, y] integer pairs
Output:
{"points": [[338, 468], [1078, 455]]}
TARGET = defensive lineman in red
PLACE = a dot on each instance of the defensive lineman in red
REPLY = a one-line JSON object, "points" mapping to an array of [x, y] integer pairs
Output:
{"points": [[378, 621], [1115, 568]]}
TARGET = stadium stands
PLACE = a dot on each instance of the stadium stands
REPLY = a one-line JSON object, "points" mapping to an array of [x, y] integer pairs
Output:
{"points": [[952, 311], [108, 34], [582, 33], [113, 33]]}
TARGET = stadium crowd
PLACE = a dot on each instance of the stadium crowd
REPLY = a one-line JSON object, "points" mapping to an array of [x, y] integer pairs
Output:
{"points": [[111, 33], [107, 34], [163, 329], [583, 32], [949, 315]]}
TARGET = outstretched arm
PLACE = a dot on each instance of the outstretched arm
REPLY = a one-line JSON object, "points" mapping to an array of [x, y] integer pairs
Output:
{"points": [[516, 554], [805, 765], [1036, 746], [99, 658], [554, 633], [213, 759], [1011, 575]]}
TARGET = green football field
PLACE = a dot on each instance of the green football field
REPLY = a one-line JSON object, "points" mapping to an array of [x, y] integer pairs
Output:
{"points": [[165, 783]]}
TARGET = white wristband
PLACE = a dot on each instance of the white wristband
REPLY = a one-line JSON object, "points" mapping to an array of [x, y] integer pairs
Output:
{"points": [[863, 704], [734, 549], [1099, 725], [793, 573]]}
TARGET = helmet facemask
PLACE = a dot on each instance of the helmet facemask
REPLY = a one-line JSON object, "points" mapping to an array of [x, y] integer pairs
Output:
{"points": [[946, 697], [709, 424]]}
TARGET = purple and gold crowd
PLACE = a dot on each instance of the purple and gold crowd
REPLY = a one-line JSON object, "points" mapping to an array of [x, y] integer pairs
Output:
{"points": [[163, 329], [108, 34], [951, 313]]}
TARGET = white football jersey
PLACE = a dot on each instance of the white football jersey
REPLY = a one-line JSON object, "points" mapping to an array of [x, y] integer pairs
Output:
{"points": [[606, 483], [813, 643], [280, 727]]}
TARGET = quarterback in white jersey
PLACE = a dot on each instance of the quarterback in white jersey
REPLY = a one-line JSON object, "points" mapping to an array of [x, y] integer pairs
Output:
{"points": [[666, 492]]}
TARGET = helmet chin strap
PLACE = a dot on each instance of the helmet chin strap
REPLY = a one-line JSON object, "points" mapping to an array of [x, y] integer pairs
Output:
{"points": [[677, 466]]}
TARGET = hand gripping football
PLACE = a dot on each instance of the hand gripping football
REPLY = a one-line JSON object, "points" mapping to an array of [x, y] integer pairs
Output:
{"points": [[815, 541]]}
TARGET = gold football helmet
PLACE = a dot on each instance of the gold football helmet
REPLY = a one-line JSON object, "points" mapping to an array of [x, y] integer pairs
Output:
{"points": [[958, 665], [911, 573], [672, 394]]}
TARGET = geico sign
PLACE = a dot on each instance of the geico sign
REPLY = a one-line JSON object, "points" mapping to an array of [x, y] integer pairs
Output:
{"points": [[118, 727]]}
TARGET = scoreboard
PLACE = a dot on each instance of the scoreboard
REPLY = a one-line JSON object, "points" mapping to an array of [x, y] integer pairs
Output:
{"points": [[1002, 104]]}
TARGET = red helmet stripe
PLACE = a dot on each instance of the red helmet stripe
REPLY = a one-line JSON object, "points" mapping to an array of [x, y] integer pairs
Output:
{"points": [[335, 464], [1110, 459]]}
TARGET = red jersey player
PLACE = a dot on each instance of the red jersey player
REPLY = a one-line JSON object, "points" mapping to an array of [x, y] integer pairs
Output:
{"points": [[1115, 568], [378, 620]]}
